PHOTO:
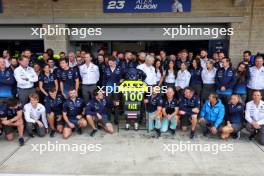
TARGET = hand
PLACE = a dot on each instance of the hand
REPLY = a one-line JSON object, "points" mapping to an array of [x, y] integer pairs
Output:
{"points": [[195, 110], [201, 120], [182, 112], [229, 124], [223, 88], [64, 95], [116, 103], [40, 124], [98, 116], [71, 125], [168, 116], [256, 125], [146, 101], [79, 117], [213, 130], [26, 79]]}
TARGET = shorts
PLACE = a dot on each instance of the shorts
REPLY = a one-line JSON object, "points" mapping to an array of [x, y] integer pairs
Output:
{"points": [[106, 118], [9, 129], [73, 121], [186, 120], [236, 126]]}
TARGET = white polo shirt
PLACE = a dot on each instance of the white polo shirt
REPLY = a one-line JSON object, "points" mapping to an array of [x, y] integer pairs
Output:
{"points": [[208, 77], [183, 79], [150, 72], [32, 114], [89, 74], [21, 74], [254, 112], [256, 79]]}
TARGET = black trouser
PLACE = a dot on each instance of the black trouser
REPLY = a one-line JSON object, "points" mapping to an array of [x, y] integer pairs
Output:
{"points": [[23, 95], [87, 92], [40, 130], [260, 132]]}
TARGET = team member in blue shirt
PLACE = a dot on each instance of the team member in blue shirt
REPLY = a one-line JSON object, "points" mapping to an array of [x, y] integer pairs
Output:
{"points": [[68, 78], [196, 81], [97, 110], [47, 80], [170, 112], [189, 105], [54, 104], [7, 80], [11, 119], [212, 115], [235, 117], [73, 111], [225, 79], [113, 75], [154, 110]]}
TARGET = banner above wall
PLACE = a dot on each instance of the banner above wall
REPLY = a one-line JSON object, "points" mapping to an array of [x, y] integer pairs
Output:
{"points": [[138, 6]]}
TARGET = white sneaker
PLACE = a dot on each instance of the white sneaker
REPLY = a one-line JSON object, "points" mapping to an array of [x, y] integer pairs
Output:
{"points": [[136, 126], [127, 126]]}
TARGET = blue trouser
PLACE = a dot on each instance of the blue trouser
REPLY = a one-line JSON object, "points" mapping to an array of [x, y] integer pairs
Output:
{"points": [[166, 123], [153, 123]]}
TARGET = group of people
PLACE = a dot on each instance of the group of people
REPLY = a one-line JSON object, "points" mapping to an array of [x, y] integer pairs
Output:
{"points": [[60, 95]]}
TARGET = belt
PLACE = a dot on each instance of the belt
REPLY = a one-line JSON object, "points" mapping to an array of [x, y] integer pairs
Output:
{"points": [[25, 88]]}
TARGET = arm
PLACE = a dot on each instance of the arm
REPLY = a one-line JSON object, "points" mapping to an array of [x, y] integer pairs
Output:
{"points": [[247, 115], [97, 73], [27, 115], [41, 88], [203, 111], [44, 118], [77, 84], [56, 85], [18, 77], [33, 77]]}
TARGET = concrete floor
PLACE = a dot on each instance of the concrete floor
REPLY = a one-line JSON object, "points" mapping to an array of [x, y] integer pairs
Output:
{"points": [[132, 153]]}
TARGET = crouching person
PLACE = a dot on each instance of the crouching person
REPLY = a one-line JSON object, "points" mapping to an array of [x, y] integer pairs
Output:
{"points": [[96, 111], [11, 119], [170, 111], [154, 110], [35, 116], [73, 110], [212, 115], [189, 105], [54, 105], [235, 118], [255, 117]]}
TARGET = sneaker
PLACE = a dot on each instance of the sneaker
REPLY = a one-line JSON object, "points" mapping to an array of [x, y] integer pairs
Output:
{"points": [[172, 131], [92, 134], [127, 126], [252, 136], [21, 141], [79, 131], [158, 133], [52, 133], [236, 135], [206, 132], [31, 135], [192, 134], [136, 126]]}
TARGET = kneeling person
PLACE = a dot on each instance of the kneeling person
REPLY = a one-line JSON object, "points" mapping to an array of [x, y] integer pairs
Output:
{"points": [[54, 105], [35, 116], [189, 105], [73, 110], [96, 110], [154, 110], [212, 115], [235, 118], [11, 119], [170, 112]]}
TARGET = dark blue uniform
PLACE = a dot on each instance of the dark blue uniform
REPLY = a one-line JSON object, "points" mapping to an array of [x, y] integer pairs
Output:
{"points": [[48, 81], [94, 106], [7, 82], [68, 78], [128, 64], [153, 103], [178, 63], [110, 78], [196, 78], [54, 105], [225, 78], [187, 105], [135, 74], [170, 105], [235, 113], [73, 109]]}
